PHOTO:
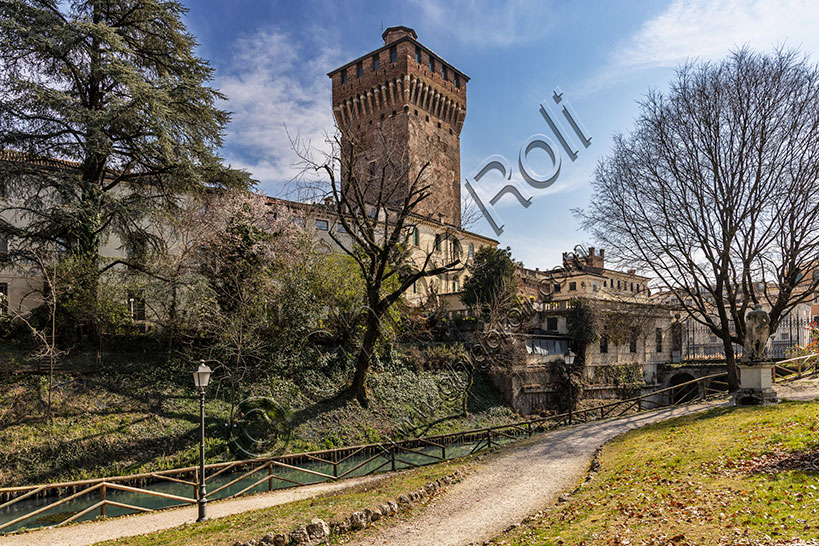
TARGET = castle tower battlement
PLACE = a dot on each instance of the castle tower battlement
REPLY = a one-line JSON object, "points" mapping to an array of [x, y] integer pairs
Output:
{"points": [[403, 88]]}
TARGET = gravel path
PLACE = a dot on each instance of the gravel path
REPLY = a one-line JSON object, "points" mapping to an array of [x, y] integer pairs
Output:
{"points": [[510, 486], [526, 479]]}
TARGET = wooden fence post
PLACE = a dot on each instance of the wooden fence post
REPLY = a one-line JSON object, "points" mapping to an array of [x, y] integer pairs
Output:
{"points": [[102, 499]]}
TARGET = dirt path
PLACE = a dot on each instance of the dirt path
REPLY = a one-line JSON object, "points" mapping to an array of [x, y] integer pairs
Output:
{"points": [[507, 488], [526, 479]]}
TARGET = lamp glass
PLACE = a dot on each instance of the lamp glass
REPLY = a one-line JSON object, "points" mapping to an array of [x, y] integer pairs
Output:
{"points": [[201, 375], [568, 358]]}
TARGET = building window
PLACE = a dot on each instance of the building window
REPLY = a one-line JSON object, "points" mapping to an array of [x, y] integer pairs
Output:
{"points": [[444, 74], [557, 288], [343, 77], [595, 287], [371, 212], [418, 55], [604, 344], [551, 324], [372, 169], [431, 65], [632, 287], [298, 221], [632, 341], [4, 298], [618, 284], [3, 189], [471, 250], [359, 69], [415, 287], [340, 228], [572, 286], [322, 225], [456, 286], [457, 81], [376, 63], [658, 340], [393, 54], [415, 236], [438, 242], [4, 248]]}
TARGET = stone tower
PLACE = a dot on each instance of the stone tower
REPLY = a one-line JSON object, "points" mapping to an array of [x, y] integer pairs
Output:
{"points": [[406, 91]]}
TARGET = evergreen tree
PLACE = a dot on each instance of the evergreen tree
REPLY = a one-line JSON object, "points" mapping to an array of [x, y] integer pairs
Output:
{"points": [[106, 118], [491, 278]]}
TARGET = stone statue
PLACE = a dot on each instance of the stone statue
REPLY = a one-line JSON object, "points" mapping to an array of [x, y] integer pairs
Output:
{"points": [[757, 332]]}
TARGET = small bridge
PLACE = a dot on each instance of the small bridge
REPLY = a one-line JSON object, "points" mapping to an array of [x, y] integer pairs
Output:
{"points": [[683, 375]]}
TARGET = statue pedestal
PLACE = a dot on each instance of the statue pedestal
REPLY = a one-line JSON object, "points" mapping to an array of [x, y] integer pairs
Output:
{"points": [[755, 385]]}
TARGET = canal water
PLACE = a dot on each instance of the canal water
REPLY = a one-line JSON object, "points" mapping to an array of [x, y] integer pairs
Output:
{"points": [[59, 513]]}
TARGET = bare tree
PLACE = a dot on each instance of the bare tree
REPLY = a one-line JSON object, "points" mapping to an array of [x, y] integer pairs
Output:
{"points": [[55, 281], [375, 188], [715, 191]]}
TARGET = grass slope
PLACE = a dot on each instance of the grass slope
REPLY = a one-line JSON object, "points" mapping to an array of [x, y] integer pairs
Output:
{"points": [[133, 412], [730, 476]]}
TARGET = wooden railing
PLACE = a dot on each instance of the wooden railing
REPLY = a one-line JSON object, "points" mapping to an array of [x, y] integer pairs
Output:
{"points": [[394, 454]]}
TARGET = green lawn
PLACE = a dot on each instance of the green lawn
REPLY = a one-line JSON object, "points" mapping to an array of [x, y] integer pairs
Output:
{"points": [[286, 517], [729, 476]]}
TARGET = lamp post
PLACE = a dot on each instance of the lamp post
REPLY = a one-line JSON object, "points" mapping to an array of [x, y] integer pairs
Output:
{"points": [[201, 377], [568, 358]]}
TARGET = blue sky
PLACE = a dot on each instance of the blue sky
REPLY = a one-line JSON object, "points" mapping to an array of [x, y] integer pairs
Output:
{"points": [[271, 60]]}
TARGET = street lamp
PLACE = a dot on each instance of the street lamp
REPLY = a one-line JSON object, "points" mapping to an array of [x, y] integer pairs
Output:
{"points": [[568, 358], [201, 377]]}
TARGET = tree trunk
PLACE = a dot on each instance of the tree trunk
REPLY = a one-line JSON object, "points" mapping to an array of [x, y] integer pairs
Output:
{"points": [[362, 361], [731, 364]]}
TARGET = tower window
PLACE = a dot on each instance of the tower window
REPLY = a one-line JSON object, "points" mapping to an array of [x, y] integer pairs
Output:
{"points": [[322, 225], [359, 69], [376, 63], [444, 74], [457, 81], [393, 54], [343, 77], [418, 55], [431, 64]]}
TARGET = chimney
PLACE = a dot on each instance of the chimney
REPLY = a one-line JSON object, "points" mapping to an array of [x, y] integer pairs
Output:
{"points": [[591, 251], [602, 253]]}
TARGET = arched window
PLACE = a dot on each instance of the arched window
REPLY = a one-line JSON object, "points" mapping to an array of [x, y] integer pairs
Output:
{"points": [[471, 250], [415, 236]]}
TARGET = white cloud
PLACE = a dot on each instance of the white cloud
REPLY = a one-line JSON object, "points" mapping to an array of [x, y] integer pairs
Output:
{"points": [[483, 23], [709, 30], [271, 80]]}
